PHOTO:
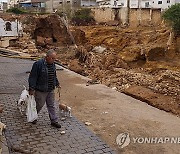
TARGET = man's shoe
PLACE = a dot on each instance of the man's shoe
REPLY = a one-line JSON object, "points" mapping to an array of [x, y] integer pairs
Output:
{"points": [[55, 124], [34, 122]]}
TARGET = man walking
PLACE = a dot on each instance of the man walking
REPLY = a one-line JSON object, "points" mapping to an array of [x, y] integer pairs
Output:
{"points": [[42, 82]]}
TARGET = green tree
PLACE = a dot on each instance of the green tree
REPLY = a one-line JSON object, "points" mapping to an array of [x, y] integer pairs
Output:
{"points": [[83, 17], [172, 15]]}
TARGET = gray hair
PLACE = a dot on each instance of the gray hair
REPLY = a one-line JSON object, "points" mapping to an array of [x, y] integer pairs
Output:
{"points": [[50, 52]]}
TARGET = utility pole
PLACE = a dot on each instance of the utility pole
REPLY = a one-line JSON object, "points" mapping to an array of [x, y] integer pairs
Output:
{"points": [[128, 14], [139, 12], [51, 4]]}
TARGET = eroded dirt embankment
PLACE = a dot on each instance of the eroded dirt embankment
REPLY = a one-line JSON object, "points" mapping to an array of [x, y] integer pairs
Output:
{"points": [[134, 61]]}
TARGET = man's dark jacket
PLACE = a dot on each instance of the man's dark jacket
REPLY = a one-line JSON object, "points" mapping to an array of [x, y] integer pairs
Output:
{"points": [[38, 78]]}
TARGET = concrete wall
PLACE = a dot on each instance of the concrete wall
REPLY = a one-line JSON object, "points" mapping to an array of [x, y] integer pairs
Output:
{"points": [[144, 17], [123, 13], [156, 17], [103, 14], [108, 14], [136, 16]]}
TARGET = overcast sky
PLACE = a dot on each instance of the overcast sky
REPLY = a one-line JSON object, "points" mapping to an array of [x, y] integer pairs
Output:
{"points": [[3, 0]]}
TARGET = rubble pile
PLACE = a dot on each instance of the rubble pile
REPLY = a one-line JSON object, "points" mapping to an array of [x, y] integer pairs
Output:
{"points": [[164, 82], [124, 58]]}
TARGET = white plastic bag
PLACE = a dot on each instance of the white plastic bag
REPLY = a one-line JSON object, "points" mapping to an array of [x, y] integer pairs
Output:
{"points": [[31, 109]]}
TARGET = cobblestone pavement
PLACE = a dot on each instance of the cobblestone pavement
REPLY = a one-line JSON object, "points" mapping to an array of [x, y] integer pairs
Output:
{"points": [[39, 138]]}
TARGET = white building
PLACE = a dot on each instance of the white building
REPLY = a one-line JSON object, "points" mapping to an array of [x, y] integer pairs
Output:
{"points": [[156, 4], [88, 3], [118, 3], [163, 4], [112, 3], [9, 30]]}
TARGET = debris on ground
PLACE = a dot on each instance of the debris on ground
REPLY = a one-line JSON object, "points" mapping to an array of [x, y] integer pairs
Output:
{"points": [[93, 81], [99, 49], [105, 112], [62, 119], [87, 123], [114, 88], [62, 132]]}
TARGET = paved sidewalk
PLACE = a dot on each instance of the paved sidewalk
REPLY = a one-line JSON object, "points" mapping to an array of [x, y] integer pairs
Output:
{"points": [[40, 138]]}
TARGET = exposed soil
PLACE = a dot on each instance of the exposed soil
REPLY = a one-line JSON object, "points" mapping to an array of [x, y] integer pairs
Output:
{"points": [[118, 57], [132, 58]]}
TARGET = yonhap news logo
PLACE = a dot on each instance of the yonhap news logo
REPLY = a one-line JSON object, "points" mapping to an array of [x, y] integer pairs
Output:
{"points": [[124, 140]]}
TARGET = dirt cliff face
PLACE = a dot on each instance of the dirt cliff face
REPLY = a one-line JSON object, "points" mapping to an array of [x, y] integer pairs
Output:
{"points": [[133, 58], [50, 30], [53, 29]]}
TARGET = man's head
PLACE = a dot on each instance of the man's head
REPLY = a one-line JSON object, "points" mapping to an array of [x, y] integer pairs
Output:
{"points": [[51, 56]]}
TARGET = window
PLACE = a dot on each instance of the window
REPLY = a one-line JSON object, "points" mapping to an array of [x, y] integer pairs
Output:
{"points": [[68, 2], [159, 2], [115, 3], [168, 1], [60, 2], [8, 26], [147, 4]]}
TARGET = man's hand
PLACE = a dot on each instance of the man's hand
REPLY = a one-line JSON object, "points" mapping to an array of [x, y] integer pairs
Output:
{"points": [[31, 92]]}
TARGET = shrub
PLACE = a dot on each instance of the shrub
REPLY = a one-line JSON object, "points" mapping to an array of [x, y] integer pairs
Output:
{"points": [[172, 15], [83, 17], [16, 10]]}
